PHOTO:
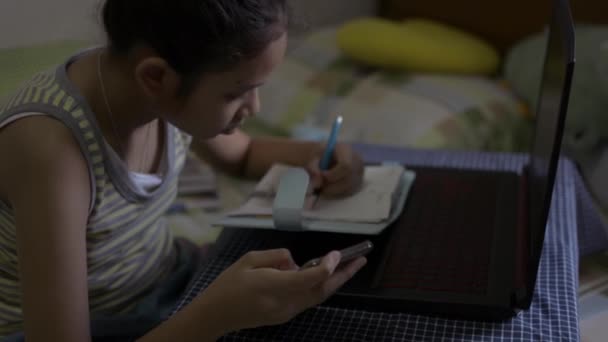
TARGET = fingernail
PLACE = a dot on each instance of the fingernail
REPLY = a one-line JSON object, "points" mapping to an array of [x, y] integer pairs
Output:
{"points": [[334, 258]]}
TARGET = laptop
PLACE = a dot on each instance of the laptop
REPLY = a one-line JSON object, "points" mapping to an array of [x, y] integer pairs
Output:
{"points": [[468, 242]]}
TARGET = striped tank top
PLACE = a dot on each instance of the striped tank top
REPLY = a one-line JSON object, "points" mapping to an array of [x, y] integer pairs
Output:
{"points": [[130, 248]]}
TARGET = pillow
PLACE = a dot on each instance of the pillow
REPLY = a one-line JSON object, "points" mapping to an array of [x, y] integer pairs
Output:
{"points": [[416, 45]]}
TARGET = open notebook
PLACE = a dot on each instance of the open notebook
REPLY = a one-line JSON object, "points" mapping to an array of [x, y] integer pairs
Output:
{"points": [[376, 205]]}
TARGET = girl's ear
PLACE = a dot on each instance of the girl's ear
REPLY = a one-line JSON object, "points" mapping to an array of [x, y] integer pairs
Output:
{"points": [[158, 81]]}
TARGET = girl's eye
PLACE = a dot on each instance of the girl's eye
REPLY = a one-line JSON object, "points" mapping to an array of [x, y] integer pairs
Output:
{"points": [[231, 97], [235, 96]]}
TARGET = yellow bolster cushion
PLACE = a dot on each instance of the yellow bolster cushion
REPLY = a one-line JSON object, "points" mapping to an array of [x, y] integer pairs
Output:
{"points": [[416, 45]]}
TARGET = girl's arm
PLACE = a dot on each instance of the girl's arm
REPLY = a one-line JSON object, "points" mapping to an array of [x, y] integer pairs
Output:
{"points": [[45, 178], [261, 288], [241, 155], [249, 157]]}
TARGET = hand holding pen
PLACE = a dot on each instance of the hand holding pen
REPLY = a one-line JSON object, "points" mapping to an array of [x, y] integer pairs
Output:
{"points": [[337, 170]]}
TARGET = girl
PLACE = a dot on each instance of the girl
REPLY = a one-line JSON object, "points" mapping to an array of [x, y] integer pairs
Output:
{"points": [[101, 139]]}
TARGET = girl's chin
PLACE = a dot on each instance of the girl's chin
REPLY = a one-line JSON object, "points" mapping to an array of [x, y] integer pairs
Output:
{"points": [[229, 130]]}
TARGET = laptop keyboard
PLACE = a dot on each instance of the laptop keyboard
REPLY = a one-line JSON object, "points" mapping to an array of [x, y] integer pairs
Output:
{"points": [[445, 236]]}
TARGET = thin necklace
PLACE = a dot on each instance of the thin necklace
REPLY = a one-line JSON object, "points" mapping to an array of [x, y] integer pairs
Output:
{"points": [[111, 117]]}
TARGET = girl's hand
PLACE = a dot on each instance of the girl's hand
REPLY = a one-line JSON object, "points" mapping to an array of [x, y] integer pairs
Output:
{"points": [[344, 176], [267, 288]]}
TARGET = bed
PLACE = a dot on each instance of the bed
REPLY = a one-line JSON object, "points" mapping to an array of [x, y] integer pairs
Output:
{"points": [[317, 81]]}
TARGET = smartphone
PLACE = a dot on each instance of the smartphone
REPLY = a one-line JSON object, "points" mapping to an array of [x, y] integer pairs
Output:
{"points": [[348, 254]]}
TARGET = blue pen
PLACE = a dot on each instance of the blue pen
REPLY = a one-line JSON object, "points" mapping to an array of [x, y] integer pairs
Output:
{"points": [[331, 144]]}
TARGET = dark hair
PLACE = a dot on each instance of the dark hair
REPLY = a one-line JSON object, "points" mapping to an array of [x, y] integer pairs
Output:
{"points": [[195, 36]]}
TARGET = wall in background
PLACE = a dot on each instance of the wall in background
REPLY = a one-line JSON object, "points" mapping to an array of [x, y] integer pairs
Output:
{"points": [[27, 22]]}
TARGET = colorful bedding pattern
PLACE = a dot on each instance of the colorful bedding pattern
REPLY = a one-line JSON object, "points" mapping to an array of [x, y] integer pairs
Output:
{"points": [[316, 82]]}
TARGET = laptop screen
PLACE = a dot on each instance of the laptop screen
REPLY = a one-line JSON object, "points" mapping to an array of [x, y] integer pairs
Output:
{"points": [[551, 110]]}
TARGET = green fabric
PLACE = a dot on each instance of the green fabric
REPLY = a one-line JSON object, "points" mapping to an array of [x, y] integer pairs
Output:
{"points": [[19, 64]]}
